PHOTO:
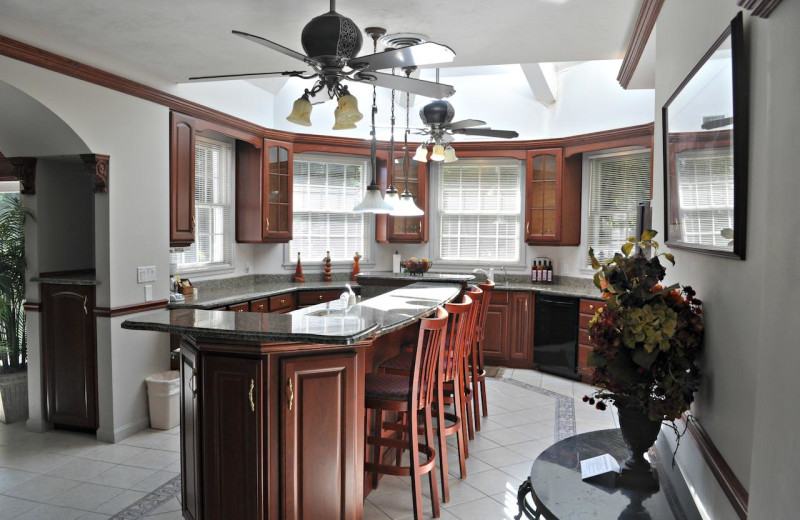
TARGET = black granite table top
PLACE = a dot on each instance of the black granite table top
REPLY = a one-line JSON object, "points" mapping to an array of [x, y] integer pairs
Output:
{"points": [[221, 296], [76, 278], [332, 322], [562, 495]]}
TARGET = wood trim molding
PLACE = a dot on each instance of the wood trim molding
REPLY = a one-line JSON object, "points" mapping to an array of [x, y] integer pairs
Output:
{"points": [[760, 8], [731, 486], [96, 167], [25, 172], [106, 312], [32, 307], [648, 14]]}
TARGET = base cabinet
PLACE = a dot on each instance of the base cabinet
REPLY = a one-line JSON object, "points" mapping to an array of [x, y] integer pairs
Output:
{"points": [[509, 329], [190, 432]]}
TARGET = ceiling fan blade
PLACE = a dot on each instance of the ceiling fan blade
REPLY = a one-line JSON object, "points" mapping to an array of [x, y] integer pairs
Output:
{"points": [[427, 53], [250, 75], [276, 47], [6, 168], [414, 86], [465, 123], [487, 132]]}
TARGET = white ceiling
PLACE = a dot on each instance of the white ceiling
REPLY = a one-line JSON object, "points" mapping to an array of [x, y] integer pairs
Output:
{"points": [[180, 38]]}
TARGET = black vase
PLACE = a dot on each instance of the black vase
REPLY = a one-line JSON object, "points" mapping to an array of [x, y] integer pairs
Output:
{"points": [[639, 433]]}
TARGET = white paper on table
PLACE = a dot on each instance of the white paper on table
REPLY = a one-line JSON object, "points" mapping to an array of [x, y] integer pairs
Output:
{"points": [[598, 465]]}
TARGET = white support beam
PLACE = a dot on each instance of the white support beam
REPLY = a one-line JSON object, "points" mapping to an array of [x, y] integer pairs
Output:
{"points": [[543, 81]]}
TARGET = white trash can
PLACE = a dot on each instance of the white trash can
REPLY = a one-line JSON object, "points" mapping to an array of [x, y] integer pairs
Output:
{"points": [[163, 395]]}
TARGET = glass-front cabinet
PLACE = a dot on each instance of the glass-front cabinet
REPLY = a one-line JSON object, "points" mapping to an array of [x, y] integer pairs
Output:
{"points": [[543, 194], [277, 191], [405, 230]]}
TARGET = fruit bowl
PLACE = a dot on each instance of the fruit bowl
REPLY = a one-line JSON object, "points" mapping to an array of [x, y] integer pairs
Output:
{"points": [[416, 265]]}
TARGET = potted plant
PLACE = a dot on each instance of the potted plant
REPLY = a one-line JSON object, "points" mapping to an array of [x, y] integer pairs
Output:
{"points": [[646, 342], [13, 340]]}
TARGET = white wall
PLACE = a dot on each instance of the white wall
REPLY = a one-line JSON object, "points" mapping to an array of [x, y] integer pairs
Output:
{"points": [[744, 403]]}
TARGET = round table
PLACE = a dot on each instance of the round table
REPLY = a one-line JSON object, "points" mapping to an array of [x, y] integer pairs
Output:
{"points": [[559, 493]]}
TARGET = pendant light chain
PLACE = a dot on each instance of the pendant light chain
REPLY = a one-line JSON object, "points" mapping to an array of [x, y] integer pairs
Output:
{"points": [[391, 143], [374, 144], [406, 159]]}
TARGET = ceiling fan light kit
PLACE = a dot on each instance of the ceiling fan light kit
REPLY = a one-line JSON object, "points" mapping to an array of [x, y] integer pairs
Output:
{"points": [[437, 154], [421, 154], [450, 154], [301, 112]]}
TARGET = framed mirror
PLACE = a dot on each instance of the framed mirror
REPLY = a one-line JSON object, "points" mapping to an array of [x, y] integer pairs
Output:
{"points": [[705, 152]]}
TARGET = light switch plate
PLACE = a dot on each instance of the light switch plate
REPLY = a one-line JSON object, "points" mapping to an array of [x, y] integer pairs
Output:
{"points": [[145, 274]]}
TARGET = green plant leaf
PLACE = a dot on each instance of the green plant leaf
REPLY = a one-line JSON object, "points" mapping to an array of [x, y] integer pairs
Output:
{"points": [[670, 257], [597, 277], [623, 368], [596, 360], [632, 240], [649, 234], [595, 263], [643, 358], [627, 248]]}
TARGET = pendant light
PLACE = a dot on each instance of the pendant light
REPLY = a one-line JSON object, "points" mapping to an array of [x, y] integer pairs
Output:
{"points": [[373, 202], [392, 196], [301, 111], [406, 206]]}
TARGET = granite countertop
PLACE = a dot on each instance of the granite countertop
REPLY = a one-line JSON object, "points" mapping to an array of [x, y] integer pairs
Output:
{"points": [[576, 290], [333, 322], [220, 296], [76, 278], [425, 277]]}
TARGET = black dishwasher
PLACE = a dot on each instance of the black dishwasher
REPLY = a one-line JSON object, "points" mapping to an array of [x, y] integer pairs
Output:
{"points": [[555, 335]]}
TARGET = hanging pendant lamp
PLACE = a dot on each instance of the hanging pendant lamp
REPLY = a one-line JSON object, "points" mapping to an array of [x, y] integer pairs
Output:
{"points": [[406, 207]]}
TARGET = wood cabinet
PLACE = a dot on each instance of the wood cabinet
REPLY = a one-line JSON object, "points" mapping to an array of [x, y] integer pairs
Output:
{"points": [[509, 329], [261, 305], [264, 192], [552, 198], [239, 307], [405, 230], [282, 303], [69, 355], [321, 425], [191, 491], [307, 298], [587, 310], [181, 180]]}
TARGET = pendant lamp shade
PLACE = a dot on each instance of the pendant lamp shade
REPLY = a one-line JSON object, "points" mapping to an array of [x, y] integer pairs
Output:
{"points": [[301, 112], [406, 207], [347, 114], [450, 154], [373, 202], [392, 197], [341, 123], [421, 154], [438, 153]]}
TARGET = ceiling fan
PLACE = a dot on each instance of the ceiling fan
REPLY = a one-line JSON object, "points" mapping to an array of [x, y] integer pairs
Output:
{"points": [[331, 42], [437, 117]]}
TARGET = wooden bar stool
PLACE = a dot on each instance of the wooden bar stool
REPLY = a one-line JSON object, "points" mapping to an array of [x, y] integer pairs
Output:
{"points": [[409, 394], [477, 372]]}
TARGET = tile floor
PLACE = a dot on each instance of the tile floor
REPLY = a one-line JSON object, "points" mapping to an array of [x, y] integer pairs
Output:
{"points": [[62, 475]]}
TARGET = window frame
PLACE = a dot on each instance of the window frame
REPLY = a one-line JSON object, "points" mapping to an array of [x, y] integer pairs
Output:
{"points": [[368, 255], [435, 184], [209, 269]]}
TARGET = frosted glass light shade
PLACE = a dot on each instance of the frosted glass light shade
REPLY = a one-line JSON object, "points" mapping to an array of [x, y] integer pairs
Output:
{"points": [[406, 207], [421, 154], [373, 202], [450, 154], [301, 112], [347, 111], [438, 153], [342, 123], [392, 196]]}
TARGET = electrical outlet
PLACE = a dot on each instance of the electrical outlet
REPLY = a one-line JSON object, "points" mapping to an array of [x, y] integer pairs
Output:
{"points": [[146, 274], [148, 293]]}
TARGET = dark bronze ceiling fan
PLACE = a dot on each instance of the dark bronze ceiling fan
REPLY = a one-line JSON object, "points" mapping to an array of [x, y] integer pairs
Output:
{"points": [[332, 41]]}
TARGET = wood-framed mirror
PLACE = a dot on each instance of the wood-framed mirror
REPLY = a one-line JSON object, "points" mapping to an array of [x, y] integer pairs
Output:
{"points": [[705, 124]]}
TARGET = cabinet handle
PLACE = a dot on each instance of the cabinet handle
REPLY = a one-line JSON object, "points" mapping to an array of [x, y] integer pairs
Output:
{"points": [[420, 226], [283, 301], [85, 311], [193, 224], [261, 306], [591, 307], [320, 297], [192, 382], [290, 393], [527, 228], [239, 310], [252, 404], [266, 221]]}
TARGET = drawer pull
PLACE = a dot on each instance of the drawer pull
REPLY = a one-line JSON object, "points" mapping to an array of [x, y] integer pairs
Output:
{"points": [[85, 311], [290, 393], [252, 404], [283, 301], [320, 297], [591, 307], [192, 385], [261, 306], [239, 310]]}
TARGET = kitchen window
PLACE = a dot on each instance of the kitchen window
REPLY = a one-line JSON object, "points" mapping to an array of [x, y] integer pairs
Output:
{"points": [[211, 250], [326, 188], [479, 211], [617, 183], [705, 184]]}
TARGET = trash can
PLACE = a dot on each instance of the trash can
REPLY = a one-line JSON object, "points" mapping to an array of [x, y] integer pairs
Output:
{"points": [[163, 396]]}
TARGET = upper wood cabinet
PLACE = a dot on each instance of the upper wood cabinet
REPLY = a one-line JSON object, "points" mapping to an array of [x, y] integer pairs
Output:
{"points": [[552, 198], [181, 179], [404, 230], [264, 192]]}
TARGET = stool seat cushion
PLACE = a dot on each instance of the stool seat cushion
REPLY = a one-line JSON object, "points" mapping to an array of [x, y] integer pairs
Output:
{"points": [[403, 361], [388, 386]]}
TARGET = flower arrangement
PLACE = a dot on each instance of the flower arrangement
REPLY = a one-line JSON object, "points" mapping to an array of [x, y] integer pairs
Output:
{"points": [[646, 337], [416, 265]]}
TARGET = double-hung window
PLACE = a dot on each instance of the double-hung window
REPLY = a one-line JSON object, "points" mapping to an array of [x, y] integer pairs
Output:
{"points": [[479, 211], [705, 184], [213, 210], [618, 182], [326, 188]]}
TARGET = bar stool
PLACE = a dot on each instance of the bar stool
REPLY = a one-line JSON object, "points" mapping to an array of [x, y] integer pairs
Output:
{"points": [[409, 394], [477, 370]]}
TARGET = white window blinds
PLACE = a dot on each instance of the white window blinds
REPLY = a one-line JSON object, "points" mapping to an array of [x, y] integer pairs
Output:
{"points": [[705, 187], [479, 211], [325, 191], [617, 183], [212, 195]]}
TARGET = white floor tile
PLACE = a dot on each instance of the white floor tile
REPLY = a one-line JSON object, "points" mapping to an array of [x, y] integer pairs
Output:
{"points": [[42, 488], [13, 477], [48, 512], [153, 459], [85, 496], [502, 456], [483, 509], [123, 477], [115, 453], [154, 481], [81, 469], [120, 502], [13, 507]]}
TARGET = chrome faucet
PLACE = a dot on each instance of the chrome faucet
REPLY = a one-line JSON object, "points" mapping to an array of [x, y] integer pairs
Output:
{"points": [[505, 275], [489, 276]]}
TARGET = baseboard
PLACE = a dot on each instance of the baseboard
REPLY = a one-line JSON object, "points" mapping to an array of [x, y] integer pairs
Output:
{"points": [[38, 425], [123, 432]]}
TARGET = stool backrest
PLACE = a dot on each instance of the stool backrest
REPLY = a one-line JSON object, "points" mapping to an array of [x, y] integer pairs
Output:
{"points": [[428, 357], [457, 336], [487, 289], [477, 295]]}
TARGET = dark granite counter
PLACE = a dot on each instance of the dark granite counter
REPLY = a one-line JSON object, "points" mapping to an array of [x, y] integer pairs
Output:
{"points": [[230, 295], [558, 289], [332, 322], [379, 276], [77, 278]]}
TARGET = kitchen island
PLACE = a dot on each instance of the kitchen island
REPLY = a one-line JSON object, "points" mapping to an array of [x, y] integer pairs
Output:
{"points": [[272, 405]]}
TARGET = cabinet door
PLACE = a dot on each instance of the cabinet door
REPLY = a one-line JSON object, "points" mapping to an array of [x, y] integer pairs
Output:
{"points": [[190, 433], [277, 196], [322, 423], [249, 188], [543, 196], [411, 230], [233, 476], [181, 180], [69, 355], [495, 343], [521, 341]]}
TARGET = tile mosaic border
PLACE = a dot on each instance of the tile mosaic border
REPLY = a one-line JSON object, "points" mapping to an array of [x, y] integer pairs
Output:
{"points": [[151, 501], [565, 407]]}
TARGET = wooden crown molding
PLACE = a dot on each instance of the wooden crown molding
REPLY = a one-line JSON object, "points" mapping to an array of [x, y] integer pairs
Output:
{"points": [[25, 172], [96, 166], [731, 485], [760, 8], [648, 14]]}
